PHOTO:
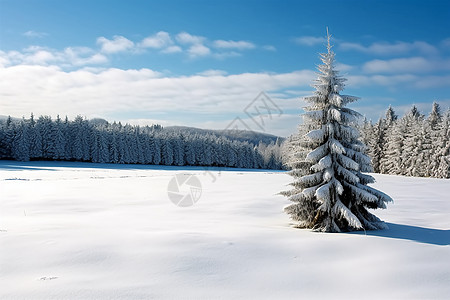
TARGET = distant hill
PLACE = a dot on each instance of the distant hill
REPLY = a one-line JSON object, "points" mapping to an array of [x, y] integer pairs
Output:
{"points": [[4, 118], [252, 137]]}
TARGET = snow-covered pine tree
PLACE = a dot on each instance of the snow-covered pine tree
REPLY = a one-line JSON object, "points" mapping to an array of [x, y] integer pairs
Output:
{"points": [[435, 117], [443, 170], [376, 144], [389, 140], [412, 123], [435, 122], [332, 194], [21, 142]]}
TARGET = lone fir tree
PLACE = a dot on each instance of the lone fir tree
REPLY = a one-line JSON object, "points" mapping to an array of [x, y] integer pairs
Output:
{"points": [[330, 192]]}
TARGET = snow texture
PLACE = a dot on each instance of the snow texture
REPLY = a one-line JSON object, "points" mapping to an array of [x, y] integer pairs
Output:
{"points": [[101, 231]]}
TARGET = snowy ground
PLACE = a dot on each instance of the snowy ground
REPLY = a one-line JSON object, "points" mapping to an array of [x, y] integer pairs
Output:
{"points": [[88, 231]]}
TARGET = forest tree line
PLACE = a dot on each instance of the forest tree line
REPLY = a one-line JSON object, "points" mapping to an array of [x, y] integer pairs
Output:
{"points": [[413, 145], [103, 142]]}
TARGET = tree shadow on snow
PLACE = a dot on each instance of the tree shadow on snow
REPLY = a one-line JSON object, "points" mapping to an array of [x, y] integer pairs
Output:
{"points": [[432, 236]]}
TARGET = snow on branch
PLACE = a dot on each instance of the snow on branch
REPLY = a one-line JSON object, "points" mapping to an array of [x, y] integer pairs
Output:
{"points": [[347, 162], [383, 198], [324, 162], [309, 180], [317, 135], [334, 115], [309, 192], [323, 193], [336, 99], [336, 147], [341, 209], [300, 197], [348, 99], [361, 195], [365, 179], [315, 116], [348, 133], [348, 175], [317, 153], [359, 157]]}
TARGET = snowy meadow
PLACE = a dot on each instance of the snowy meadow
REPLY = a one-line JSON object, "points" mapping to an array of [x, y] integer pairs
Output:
{"points": [[100, 231]]}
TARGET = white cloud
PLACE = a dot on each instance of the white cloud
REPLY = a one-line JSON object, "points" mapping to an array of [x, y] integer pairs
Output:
{"points": [[203, 99], [241, 45], [107, 92], [186, 38], [4, 61], [69, 57], [35, 34], [197, 50], [309, 40], [402, 65], [117, 44], [384, 48], [195, 42], [194, 47], [159, 40], [40, 57], [172, 49], [397, 65], [395, 81], [80, 56]]}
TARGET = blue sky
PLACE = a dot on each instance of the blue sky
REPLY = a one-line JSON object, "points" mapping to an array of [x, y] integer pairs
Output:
{"points": [[203, 63]]}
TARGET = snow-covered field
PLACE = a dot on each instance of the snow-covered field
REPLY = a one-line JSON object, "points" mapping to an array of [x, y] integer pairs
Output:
{"points": [[89, 231]]}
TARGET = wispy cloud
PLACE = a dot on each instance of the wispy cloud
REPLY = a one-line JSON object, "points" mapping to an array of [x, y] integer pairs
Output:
{"points": [[186, 38], [395, 81], [81, 56], [241, 45], [406, 65], [172, 49], [117, 44], [35, 34], [384, 48], [192, 46], [195, 43], [197, 50], [160, 40], [309, 40], [69, 57]]}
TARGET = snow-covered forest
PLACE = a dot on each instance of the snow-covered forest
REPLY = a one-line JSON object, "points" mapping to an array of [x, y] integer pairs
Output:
{"points": [[102, 142], [413, 145]]}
